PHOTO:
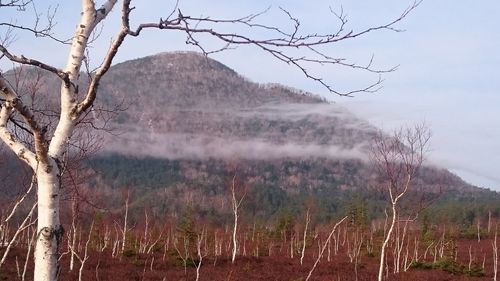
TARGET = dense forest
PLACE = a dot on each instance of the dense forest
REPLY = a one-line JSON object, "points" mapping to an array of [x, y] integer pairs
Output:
{"points": [[284, 187]]}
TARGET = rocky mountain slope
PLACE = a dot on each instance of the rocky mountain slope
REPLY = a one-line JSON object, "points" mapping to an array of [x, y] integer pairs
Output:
{"points": [[184, 105]]}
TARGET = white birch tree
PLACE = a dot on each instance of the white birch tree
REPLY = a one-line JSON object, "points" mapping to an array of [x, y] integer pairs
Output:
{"points": [[46, 151], [304, 238], [397, 159], [494, 245], [235, 203]]}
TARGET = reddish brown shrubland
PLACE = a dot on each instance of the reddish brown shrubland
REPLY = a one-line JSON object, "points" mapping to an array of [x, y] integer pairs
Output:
{"points": [[448, 256]]}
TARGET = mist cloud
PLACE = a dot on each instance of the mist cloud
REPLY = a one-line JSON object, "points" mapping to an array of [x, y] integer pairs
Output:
{"points": [[184, 146]]}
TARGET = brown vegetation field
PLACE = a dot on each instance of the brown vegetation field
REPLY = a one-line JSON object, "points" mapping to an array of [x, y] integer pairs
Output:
{"points": [[173, 255]]}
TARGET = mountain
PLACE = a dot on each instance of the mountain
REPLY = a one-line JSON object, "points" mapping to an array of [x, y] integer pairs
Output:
{"points": [[187, 124], [191, 123], [185, 105]]}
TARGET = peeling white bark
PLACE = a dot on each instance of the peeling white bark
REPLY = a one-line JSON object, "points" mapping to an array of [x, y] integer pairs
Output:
{"points": [[88, 21], [49, 229], [48, 154]]}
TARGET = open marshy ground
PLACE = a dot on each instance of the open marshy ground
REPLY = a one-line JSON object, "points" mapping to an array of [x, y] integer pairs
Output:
{"points": [[189, 251]]}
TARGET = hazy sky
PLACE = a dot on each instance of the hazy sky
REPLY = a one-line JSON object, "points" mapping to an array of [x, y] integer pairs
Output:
{"points": [[448, 61]]}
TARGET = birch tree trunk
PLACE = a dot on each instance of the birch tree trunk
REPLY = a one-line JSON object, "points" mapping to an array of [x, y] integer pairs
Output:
{"points": [[47, 158], [48, 171], [49, 229]]}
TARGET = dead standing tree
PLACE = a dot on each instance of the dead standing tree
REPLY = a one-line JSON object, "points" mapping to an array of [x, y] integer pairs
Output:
{"points": [[45, 154], [397, 159], [236, 203]]}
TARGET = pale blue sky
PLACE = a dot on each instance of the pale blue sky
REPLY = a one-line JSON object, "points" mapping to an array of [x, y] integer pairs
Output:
{"points": [[448, 56]]}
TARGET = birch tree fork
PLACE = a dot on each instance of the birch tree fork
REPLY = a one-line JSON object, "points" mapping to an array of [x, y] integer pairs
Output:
{"points": [[45, 154]]}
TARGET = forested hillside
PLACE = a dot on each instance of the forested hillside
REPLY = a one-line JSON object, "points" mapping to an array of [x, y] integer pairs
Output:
{"points": [[199, 124]]}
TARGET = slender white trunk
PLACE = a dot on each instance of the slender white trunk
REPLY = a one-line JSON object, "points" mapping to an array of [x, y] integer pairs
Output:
{"points": [[28, 252], [74, 210], [470, 257], [324, 247], [478, 231], [235, 231], [495, 255], [236, 205], [49, 229], [143, 245], [13, 239], [201, 255], [85, 254], [308, 218], [400, 244], [72, 254], [489, 221], [124, 231], [386, 241]]}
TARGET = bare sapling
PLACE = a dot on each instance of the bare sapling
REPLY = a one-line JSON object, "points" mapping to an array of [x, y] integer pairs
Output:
{"points": [[478, 231], [416, 245], [72, 237], [183, 254], [397, 159], [116, 243], [489, 222], [25, 224], [495, 254], [5, 221], [28, 252], [83, 259], [304, 240], [399, 244], [235, 203], [105, 239], [354, 249], [329, 251], [200, 252], [325, 244], [144, 241], [125, 220], [471, 259], [154, 243]]}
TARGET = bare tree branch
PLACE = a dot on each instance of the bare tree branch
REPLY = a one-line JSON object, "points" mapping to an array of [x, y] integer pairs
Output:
{"points": [[6, 109], [19, 4], [13, 102], [45, 32], [28, 61], [278, 46]]}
